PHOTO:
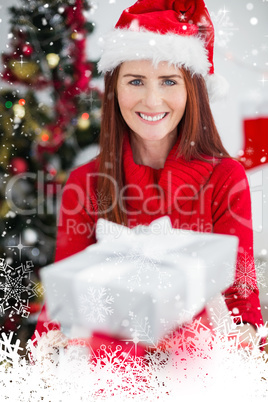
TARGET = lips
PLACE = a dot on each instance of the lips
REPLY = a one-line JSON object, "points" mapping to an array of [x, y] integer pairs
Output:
{"points": [[152, 117]]}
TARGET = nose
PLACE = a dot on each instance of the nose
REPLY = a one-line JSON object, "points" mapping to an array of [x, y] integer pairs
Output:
{"points": [[152, 97]]}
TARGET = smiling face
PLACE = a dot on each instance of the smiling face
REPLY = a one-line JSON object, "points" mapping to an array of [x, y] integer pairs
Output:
{"points": [[152, 100]]}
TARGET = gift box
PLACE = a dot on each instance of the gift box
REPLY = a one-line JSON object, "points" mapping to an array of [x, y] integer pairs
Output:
{"points": [[138, 284]]}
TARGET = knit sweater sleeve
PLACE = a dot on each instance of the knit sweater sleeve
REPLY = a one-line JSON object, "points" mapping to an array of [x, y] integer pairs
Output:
{"points": [[231, 214]]}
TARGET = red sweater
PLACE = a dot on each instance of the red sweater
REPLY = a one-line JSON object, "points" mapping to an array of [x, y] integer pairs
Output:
{"points": [[200, 196]]}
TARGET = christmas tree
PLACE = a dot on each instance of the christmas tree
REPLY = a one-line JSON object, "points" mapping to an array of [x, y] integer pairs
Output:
{"points": [[49, 112]]}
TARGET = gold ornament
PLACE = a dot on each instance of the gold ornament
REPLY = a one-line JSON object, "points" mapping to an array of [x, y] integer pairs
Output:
{"points": [[24, 70], [61, 176], [53, 59], [76, 36], [4, 208], [19, 111]]}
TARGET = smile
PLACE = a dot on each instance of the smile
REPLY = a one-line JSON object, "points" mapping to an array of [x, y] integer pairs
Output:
{"points": [[152, 118]]}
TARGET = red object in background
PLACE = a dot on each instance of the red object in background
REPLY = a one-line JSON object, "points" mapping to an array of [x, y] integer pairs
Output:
{"points": [[255, 151], [35, 307], [18, 165], [27, 50]]}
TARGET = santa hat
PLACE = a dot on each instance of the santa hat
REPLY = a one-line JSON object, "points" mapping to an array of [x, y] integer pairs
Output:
{"points": [[177, 31]]}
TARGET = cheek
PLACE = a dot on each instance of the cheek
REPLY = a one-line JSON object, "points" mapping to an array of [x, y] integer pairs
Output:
{"points": [[180, 103], [125, 100]]}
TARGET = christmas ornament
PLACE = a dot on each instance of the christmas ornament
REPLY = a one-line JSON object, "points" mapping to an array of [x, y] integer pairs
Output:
{"points": [[52, 60], [25, 70], [77, 36], [4, 210], [18, 165], [27, 50]]}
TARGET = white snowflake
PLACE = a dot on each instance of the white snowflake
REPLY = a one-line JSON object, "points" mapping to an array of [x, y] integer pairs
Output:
{"points": [[250, 150], [9, 351], [96, 304], [86, 98], [191, 365], [223, 26], [144, 265], [260, 266], [246, 280], [17, 288], [220, 317], [141, 331]]}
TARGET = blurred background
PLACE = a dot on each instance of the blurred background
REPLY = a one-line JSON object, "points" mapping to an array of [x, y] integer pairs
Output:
{"points": [[50, 115]]}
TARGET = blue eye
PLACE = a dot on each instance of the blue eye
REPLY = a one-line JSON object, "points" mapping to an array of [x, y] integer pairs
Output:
{"points": [[169, 82], [135, 82]]}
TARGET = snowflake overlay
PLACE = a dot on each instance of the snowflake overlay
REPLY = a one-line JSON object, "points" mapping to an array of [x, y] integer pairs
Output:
{"points": [[198, 362], [8, 350], [16, 288], [246, 280], [141, 332], [223, 26], [101, 202], [144, 265], [96, 304]]}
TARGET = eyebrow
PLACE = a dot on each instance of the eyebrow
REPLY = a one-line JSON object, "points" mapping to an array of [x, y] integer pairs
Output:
{"points": [[162, 76]]}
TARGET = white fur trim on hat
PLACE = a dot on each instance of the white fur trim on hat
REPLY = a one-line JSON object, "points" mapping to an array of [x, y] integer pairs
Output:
{"points": [[217, 86], [126, 45]]}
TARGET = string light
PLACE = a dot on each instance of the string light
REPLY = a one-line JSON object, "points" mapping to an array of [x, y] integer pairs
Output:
{"points": [[19, 111], [22, 102], [44, 136], [85, 116], [8, 104]]}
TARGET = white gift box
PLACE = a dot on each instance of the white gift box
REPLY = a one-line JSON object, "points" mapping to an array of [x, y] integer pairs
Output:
{"points": [[138, 283]]}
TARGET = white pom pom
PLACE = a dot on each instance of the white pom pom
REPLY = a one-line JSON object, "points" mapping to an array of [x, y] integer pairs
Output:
{"points": [[217, 87]]}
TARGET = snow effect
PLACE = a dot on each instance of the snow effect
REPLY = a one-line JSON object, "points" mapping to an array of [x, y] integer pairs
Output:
{"points": [[95, 305], [246, 278], [199, 365], [250, 6], [254, 21], [223, 26], [144, 264], [17, 288]]}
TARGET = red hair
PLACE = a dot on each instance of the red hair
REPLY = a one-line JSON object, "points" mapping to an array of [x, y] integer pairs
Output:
{"points": [[199, 137]]}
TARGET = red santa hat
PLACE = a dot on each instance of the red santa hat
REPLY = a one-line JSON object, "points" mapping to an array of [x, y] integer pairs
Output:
{"points": [[177, 31]]}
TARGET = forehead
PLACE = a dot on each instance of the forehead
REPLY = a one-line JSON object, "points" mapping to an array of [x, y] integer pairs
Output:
{"points": [[146, 67]]}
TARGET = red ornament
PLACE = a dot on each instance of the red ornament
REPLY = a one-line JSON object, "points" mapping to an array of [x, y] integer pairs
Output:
{"points": [[27, 50], [18, 165]]}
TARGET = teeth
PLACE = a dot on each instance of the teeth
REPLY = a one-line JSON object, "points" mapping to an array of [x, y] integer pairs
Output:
{"points": [[152, 118]]}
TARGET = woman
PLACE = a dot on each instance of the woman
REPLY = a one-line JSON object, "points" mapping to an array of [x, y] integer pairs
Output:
{"points": [[161, 153]]}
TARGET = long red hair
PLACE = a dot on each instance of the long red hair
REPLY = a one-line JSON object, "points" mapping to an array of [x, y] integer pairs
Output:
{"points": [[199, 138]]}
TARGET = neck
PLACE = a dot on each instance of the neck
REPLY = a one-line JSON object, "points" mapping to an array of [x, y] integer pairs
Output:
{"points": [[151, 153]]}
